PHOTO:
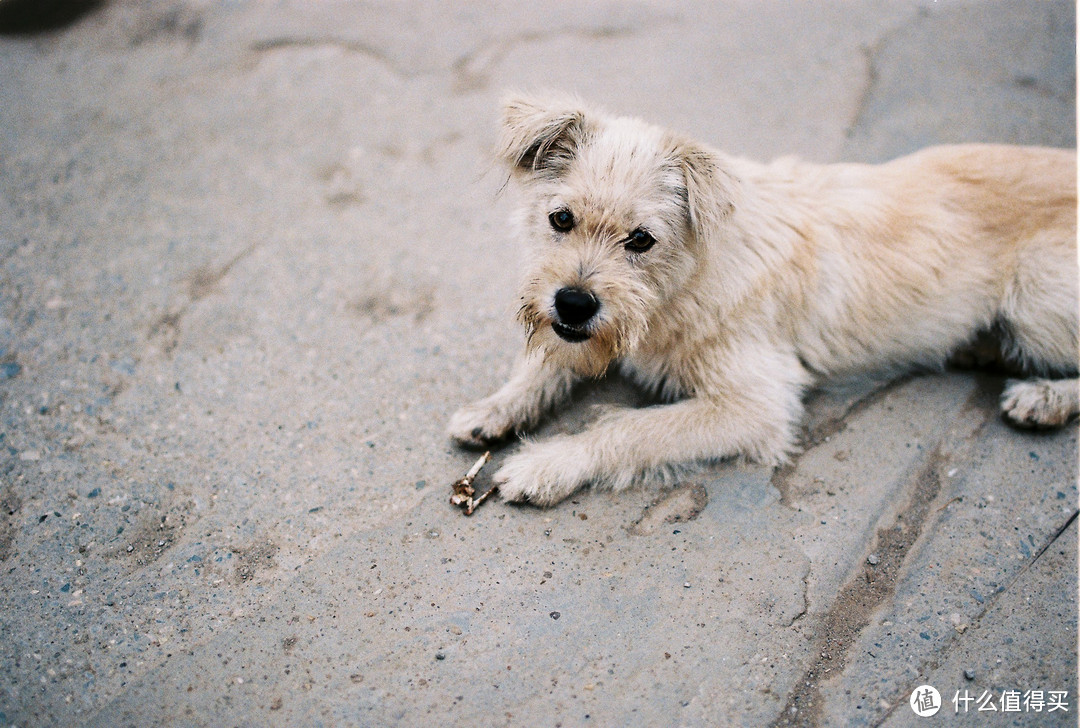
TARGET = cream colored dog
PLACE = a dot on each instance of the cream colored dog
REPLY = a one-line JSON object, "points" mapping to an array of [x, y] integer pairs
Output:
{"points": [[729, 287]]}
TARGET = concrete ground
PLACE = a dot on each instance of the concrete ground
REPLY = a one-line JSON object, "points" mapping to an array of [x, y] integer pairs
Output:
{"points": [[252, 257]]}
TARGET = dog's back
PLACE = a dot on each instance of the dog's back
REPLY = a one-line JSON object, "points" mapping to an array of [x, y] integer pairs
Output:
{"points": [[913, 257], [1014, 193]]}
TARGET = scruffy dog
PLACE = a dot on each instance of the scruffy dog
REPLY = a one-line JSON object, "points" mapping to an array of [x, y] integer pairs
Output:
{"points": [[728, 287]]}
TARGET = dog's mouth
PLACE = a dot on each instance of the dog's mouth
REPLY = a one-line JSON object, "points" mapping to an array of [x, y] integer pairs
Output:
{"points": [[569, 333]]}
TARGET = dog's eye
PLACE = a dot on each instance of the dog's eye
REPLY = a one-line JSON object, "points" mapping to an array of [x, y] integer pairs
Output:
{"points": [[562, 220], [639, 241]]}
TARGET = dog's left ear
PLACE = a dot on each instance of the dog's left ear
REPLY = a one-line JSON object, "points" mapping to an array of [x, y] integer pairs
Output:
{"points": [[540, 135], [712, 191]]}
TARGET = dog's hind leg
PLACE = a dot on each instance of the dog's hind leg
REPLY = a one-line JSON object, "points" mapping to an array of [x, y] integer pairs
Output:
{"points": [[1040, 318], [1041, 403]]}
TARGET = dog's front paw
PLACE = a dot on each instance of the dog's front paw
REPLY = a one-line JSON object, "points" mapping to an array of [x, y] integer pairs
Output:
{"points": [[543, 473], [481, 424]]}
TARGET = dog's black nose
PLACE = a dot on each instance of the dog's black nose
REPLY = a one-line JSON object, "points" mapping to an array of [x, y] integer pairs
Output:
{"points": [[575, 306]]}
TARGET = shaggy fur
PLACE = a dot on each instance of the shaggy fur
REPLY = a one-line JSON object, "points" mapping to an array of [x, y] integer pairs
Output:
{"points": [[762, 281]]}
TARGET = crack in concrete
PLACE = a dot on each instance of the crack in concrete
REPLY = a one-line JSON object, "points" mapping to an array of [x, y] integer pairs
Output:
{"points": [[349, 46], [866, 94], [805, 594], [1032, 85], [204, 280], [202, 283], [822, 431], [1055, 537], [871, 586], [870, 53], [991, 600], [471, 71]]}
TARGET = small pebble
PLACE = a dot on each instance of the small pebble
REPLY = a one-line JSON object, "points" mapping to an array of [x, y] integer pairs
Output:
{"points": [[130, 549], [440, 656], [554, 615], [686, 585], [9, 369], [969, 674], [872, 559]]}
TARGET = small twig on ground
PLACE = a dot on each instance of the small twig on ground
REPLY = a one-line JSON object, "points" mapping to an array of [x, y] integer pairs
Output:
{"points": [[463, 490], [476, 503]]}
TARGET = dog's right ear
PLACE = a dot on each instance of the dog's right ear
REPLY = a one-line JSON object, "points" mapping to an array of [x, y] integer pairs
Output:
{"points": [[540, 135], [712, 191]]}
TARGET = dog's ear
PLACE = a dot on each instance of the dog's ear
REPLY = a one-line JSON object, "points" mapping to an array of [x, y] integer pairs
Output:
{"points": [[712, 191], [540, 135]]}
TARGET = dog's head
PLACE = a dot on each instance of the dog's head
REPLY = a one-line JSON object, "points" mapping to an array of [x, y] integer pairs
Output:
{"points": [[617, 214]]}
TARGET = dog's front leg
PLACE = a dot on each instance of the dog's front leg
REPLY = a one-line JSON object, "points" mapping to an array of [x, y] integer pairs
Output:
{"points": [[634, 445], [534, 387]]}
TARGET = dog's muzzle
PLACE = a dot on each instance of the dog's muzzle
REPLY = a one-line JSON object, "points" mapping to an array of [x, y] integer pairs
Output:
{"points": [[574, 309]]}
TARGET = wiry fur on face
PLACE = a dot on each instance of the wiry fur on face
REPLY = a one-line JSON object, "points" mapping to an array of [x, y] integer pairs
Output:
{"points": [[616, 177]]}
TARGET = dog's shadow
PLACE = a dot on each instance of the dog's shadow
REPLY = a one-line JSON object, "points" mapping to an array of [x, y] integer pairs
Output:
{"points": [[589, 400], [828, 410], [828, 407]]}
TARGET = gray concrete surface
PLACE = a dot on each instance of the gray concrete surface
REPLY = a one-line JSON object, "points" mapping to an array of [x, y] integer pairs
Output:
{"points": [[252, 256]]}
